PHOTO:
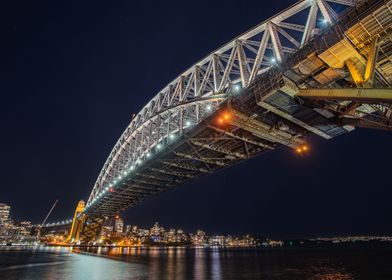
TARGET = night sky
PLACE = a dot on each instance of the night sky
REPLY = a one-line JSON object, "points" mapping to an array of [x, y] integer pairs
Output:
{"points": [[72, 74]]}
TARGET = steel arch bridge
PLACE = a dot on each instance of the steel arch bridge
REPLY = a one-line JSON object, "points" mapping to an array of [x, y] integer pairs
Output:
{"points": [[319, 67]]}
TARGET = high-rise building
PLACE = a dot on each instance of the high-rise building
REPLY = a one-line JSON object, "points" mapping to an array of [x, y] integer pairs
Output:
{"points": [[119, 225], [4, 213], [128, 229]]}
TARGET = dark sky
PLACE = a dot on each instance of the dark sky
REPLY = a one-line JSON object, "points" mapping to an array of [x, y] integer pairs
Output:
{"points": [[72, 74]]}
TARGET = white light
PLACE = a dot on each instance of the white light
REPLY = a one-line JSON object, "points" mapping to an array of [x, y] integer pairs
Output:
{"points": [[132, 167], [119, 177], [115, 182], [209, 107], [159, 146], [106, 188], [187, 123], [172, 136], [237, 87], [125, 172], [324, 21], [273, 60], [148, 154]]}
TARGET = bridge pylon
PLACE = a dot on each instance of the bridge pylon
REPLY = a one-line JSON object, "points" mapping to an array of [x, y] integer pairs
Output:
{"points": [[77, 223], [85, 228]]}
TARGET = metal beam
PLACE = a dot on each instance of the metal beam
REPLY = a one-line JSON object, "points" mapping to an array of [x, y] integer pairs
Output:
{"points": [[262, 130], [201, 159], [243, 138], [294, 120], [217, 149], [178, 174], [371, 62], [186, 167], [360, 95]]}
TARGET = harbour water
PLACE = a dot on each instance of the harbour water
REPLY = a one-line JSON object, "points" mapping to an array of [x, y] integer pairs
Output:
{"points": [[50, 263]]}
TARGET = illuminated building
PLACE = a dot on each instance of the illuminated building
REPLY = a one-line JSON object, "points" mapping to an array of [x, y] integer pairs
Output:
{"points": [[119, 225], [4, 213], [128, 229]]}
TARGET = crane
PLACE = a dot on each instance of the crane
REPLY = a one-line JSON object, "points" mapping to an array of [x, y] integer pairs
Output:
{"points": [[47, 216]]}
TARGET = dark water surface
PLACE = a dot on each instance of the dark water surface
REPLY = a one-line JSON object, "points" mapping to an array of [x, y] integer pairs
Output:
{"points": [[199, 263]]}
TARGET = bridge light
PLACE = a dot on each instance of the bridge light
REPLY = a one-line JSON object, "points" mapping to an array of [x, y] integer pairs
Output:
{"points": [[132, 167], [188, 123], [273, 60], [172, 136], [237, 87], [209, 107], [220, 120], [302, 149], [324, 21], [159, 146], [148, 154]]}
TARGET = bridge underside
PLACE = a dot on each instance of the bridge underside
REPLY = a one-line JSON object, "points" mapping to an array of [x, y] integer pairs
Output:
{"points": [[337, 81], [282, 107]]}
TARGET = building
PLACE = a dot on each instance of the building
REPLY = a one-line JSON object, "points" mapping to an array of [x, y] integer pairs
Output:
{"points": [[4, 213], [25, 228], [217, 240], [119, 225], [128, 229], [156, 230]]}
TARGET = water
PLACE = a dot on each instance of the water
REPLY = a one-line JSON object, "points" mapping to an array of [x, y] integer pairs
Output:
{"points": [[181, 263]]}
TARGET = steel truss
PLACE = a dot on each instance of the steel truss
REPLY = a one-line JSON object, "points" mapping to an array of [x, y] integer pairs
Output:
{"points": [[199, 91]]}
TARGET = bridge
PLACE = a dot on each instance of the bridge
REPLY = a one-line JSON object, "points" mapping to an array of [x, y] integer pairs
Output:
{"points": [[320, 67]]}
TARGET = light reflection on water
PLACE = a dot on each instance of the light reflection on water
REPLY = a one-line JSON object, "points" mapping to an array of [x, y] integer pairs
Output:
{"points": [[48, 263]]}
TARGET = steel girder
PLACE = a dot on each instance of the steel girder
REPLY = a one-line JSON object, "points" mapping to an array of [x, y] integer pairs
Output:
{"points": [[198, 91]]}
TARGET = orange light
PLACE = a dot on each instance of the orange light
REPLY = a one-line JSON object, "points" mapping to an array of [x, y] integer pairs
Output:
{"points": [[302, 149], [220, 120], [226, 116]]}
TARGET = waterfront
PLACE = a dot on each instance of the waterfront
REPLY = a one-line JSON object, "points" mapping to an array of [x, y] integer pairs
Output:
{"points": [[196, 263]]}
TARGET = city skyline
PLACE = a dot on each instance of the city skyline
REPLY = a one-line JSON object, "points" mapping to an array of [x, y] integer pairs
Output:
{"points": [[74, 103], [115, 232]]}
